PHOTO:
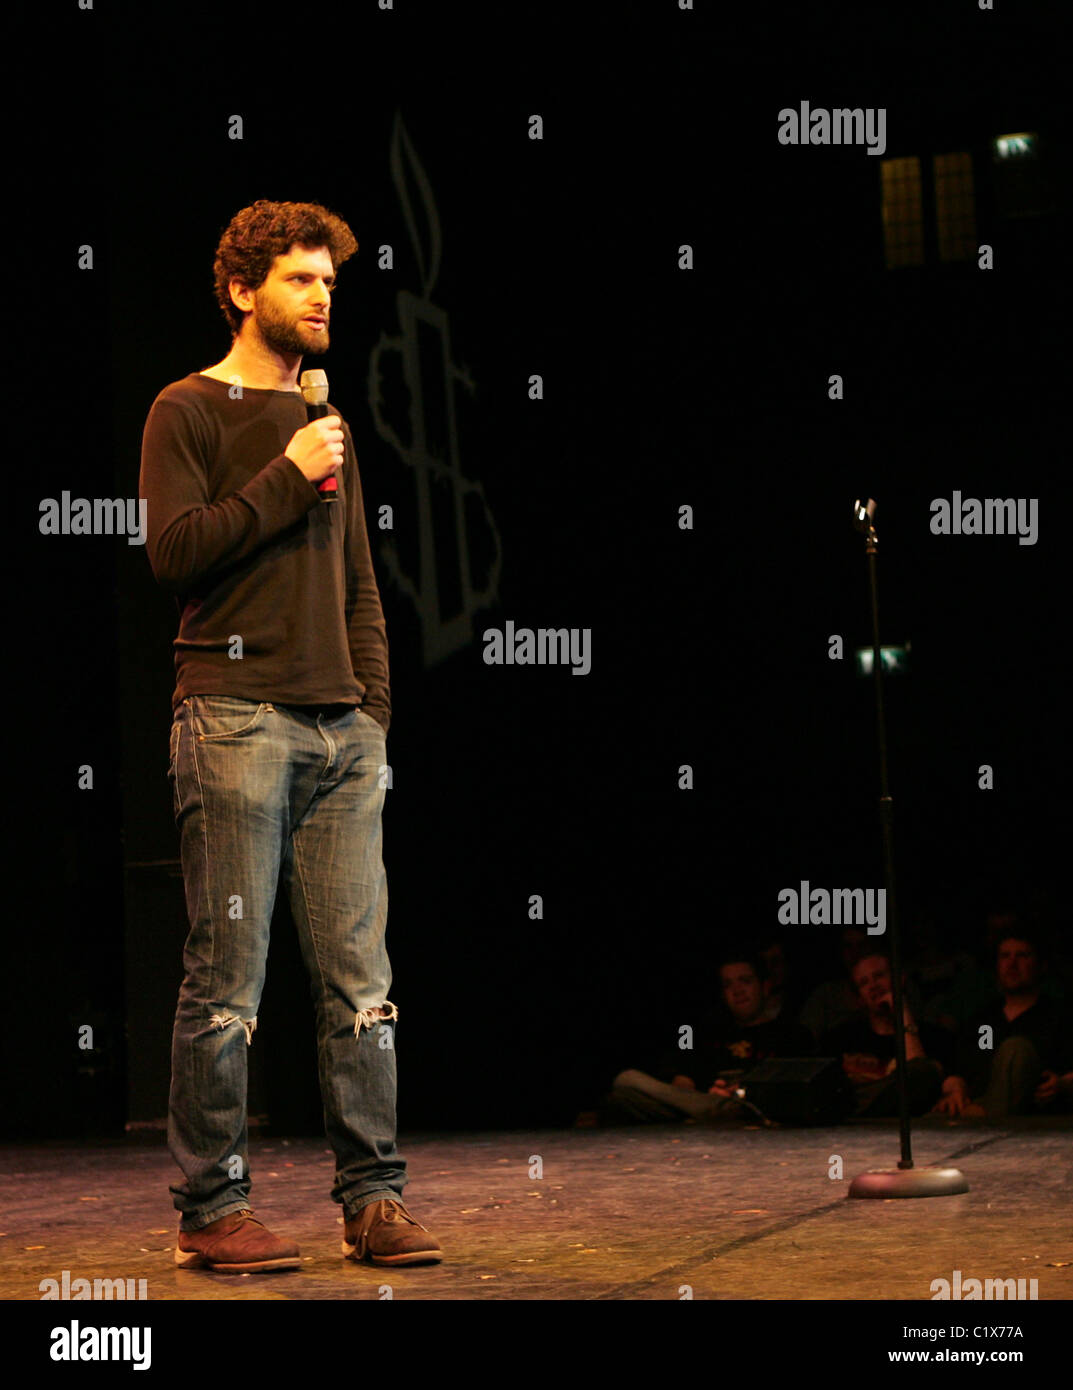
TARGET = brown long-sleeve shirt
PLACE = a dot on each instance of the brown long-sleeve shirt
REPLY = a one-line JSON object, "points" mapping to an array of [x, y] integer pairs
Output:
{"points": [[250, 550]]}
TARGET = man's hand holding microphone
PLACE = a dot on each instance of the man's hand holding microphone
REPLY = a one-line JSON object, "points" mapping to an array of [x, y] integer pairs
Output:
{"points": [[317, 448]]}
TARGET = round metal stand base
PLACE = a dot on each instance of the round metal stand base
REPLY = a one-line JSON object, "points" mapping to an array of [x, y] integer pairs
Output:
{"points": [[909, 1182]]}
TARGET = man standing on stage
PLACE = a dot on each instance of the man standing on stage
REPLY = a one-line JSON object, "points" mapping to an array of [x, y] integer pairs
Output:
{"points": [[281, 710]]}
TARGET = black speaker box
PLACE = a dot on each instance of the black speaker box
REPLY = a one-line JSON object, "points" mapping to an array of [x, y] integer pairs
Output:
{"points": [[800, 1090]]}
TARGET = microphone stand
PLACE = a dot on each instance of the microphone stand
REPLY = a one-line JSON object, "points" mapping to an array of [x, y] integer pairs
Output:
{"points": [[906, 1180]]}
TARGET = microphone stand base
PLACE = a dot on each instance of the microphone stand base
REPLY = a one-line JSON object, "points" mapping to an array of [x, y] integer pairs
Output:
{"points": [[884, 1183]]}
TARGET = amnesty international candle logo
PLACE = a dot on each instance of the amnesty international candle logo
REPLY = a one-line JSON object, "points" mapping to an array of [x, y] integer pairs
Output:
{"points": [[423, 347]]}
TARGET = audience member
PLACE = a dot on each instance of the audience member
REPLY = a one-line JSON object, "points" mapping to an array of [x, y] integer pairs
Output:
{"points": [[699, 1081], [783, 999], [867, 1047], [1016, 1056], [836, 1001]]}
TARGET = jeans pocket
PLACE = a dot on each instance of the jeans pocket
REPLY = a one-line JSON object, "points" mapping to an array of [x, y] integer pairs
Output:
{"points": [[173, 745], [173, 762], [225, 716]]}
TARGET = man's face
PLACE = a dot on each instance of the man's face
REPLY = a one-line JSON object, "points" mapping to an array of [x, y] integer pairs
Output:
{"points": [[291, 309], [742, 990], [871, 975], [774, 958], [1018, 966]]}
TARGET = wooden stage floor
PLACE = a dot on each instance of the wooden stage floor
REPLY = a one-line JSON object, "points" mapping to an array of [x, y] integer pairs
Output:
{"points": [[618, 1214]]}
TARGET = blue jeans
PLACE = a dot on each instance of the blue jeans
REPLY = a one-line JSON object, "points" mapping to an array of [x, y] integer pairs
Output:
{"points": [[262, 791]]}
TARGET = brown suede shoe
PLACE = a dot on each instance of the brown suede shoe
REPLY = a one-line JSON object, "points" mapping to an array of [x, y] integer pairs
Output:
{"points": [[384, 1233], [235, 1244]]}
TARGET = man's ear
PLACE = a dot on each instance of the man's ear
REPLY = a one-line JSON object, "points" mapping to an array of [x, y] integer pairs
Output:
{"points": [[241, 295]]}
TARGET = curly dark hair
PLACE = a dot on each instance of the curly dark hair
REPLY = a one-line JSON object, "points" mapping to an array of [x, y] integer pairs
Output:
{"points": [[258, 234]]}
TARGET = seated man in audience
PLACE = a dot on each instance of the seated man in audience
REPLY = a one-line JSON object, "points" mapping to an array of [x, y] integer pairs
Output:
{"points": [[866, 1046], [1016, 1056], [780, 973], [699, 1081], [837, 1000]]}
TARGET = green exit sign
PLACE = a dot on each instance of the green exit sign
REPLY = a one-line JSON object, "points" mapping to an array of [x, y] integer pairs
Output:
{"points": [[1020, 146], [895, 660]]}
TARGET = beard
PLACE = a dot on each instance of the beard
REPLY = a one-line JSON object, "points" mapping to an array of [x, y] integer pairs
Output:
{"points": [[288, 336]]}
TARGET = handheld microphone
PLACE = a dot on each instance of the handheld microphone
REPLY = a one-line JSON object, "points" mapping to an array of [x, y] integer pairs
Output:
{"points": [[314, 384]]}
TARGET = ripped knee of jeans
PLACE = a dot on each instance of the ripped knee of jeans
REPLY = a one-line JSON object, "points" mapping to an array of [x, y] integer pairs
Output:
{"points": [[385, 1012], [224, 1020]]}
